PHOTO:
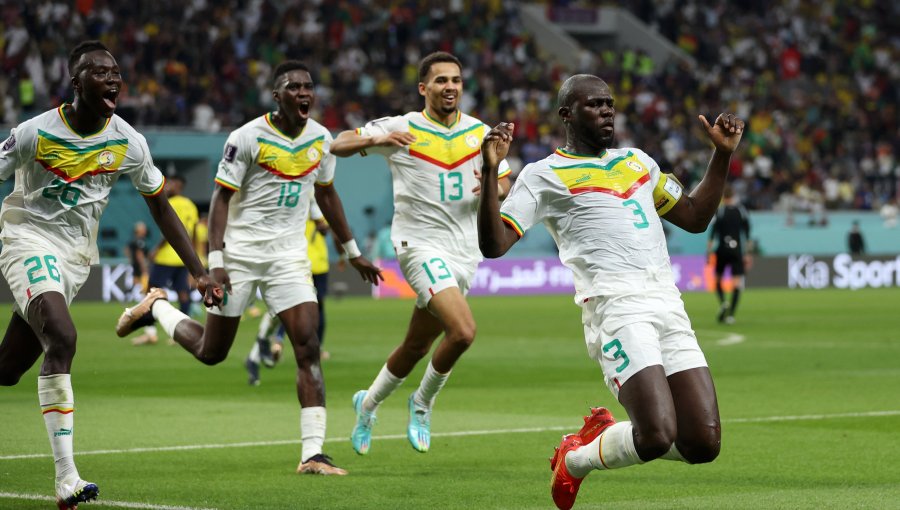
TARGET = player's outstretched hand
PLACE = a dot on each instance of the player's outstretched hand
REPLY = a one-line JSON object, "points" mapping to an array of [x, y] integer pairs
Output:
{"points": [[496, 144], [726, 132], [213, 295], [367, 270], [394, 139]]}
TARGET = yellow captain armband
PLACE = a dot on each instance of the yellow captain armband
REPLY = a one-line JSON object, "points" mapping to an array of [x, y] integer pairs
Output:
{"points": [[667, 193]]}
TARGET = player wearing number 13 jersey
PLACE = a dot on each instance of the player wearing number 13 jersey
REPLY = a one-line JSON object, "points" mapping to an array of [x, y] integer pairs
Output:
{"points": [[603, 207], [66, 161], [270, 170], [435, 160]]}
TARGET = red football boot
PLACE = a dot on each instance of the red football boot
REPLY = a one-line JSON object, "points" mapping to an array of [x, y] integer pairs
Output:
{"points": [[599, 420], [564, 486]]}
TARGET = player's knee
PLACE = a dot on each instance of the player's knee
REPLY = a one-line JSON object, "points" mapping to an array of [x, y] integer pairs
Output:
{"points": [[703, 447], [61, 345], [654, 441], [306, 348], [212, 358], [462, 335]]}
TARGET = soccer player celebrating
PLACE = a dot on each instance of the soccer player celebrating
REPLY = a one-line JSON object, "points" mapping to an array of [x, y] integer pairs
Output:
{"points": [[435, 159], [261, 202], [603, 207], [66, 161]]}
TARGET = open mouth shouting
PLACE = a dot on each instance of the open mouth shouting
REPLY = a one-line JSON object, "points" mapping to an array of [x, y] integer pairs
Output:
{"points": [[303, 107], [110, 97]]}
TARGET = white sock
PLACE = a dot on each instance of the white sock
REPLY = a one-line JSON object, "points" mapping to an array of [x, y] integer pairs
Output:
{"points": [[267, 326], [58, 406], [613, 449], [384, 384], [167, 315], [431, 384], [674, 454], [312, 431], [150, 331], [254, 353]]}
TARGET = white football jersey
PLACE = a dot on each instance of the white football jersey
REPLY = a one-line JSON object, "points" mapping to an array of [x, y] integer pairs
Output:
{"points": [[273, 177], [63, 179], [433, 180], [603, 212]]}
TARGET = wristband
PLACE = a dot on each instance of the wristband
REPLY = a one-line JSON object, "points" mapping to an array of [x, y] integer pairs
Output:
{"points": [[351, 250], [215, 259]]}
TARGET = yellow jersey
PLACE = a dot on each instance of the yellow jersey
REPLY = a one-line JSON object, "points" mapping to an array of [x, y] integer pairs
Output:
{"points": [[187, 213]]}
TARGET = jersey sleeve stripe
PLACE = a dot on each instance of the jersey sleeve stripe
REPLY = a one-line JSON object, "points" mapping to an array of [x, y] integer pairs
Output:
{"points": [[157, 191], [509, 220], [325, 183], [226, 184], [504, 173]]}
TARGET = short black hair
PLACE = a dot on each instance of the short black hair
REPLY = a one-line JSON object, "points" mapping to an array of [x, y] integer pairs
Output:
{"points": [[286, 67], [81, 49], [572, 86], [436, 58]]}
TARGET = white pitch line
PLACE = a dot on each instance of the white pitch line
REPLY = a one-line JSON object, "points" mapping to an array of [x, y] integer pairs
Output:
{"points": [[729, 338], [102, 502], [461, 433]]}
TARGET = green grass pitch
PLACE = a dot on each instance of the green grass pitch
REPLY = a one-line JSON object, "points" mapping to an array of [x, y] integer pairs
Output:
{"points": [[807, 381]]}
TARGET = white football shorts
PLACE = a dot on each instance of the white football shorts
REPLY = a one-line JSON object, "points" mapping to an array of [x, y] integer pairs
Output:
{"points": [[629, 332], [430, 270], [283, 284], [33, 267]]}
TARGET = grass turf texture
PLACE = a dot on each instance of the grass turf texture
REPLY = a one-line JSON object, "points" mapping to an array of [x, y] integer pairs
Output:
{"points": [[803, 353]]}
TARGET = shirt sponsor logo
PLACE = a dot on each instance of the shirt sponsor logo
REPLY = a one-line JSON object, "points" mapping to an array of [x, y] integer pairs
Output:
{"points": [[230, 152], [471, 141], [634, 166], [312, 153]]}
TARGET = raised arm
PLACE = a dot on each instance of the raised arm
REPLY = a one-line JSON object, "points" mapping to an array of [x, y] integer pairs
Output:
{"points": [[693, 212], [350, 142], [333, 210], [173, 231], [495, 237]]}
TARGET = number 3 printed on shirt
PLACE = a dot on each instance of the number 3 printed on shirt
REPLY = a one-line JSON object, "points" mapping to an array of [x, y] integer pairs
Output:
{"points": [[638, 211]]}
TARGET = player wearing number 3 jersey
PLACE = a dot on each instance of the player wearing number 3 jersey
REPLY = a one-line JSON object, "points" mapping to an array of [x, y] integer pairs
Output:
{"points": [[603, 208], [66, 161], [435, 160], [270, 170]]}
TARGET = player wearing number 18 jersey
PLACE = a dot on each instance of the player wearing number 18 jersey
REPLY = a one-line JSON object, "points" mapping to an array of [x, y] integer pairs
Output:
{"points": [[435, 160], [270, 170], [66, 161]]}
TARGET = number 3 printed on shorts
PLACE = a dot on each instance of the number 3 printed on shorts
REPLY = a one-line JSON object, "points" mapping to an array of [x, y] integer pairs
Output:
{"points": [[616, 346], [438, 265], [35, 263]]}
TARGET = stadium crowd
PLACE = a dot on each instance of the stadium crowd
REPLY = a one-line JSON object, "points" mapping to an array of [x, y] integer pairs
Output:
{"points": [[816, 80]]}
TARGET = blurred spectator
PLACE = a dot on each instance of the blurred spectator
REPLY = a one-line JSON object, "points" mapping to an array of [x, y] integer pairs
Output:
{"points": [[818, 81]]}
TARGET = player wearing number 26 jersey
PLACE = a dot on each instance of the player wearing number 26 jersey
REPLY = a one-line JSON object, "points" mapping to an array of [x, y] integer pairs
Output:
{"points": [[65, 162]]}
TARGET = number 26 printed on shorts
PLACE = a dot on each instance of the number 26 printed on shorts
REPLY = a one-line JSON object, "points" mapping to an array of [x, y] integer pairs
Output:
{"points": [[34, 267]]}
